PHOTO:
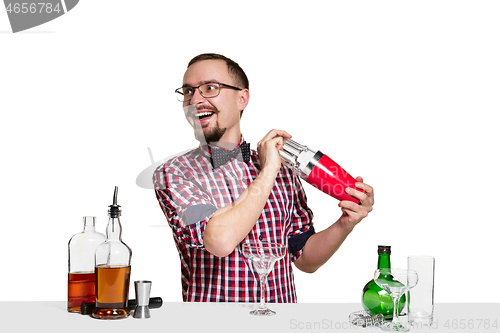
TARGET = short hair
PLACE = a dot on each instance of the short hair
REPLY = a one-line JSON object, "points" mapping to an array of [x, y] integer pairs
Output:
{"points": [[234, 69]]}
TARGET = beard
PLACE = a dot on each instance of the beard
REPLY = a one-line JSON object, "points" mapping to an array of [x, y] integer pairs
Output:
{"points": [[210, 135], [204, 134]]}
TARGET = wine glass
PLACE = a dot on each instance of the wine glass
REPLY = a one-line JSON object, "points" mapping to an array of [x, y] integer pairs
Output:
{"points": [[396, 282], [263, 256]]}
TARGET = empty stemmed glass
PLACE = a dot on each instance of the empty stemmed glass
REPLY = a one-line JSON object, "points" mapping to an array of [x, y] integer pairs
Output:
{"points": [[263, 256], [396, 282]]}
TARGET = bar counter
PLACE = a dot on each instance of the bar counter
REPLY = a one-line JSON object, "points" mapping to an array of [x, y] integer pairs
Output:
{"points": [[235, 317]]}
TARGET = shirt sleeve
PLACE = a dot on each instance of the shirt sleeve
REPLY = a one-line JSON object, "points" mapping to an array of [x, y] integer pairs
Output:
{"points": [[186, 205], [302, 225]]}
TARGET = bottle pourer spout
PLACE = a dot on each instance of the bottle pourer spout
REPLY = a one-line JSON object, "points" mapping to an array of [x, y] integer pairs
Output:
{"points": [[114, 209], [115, 196]]}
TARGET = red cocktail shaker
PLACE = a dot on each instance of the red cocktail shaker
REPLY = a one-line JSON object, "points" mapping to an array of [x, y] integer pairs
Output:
{"points": [[318, 170]]}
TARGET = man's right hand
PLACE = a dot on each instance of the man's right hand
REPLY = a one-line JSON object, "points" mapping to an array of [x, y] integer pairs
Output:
{"points": [[268, 150], [222, 235]]}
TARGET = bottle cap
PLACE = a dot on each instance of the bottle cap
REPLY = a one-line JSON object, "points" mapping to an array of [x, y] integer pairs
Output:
{"points": [[384, 249], [86, 308]]}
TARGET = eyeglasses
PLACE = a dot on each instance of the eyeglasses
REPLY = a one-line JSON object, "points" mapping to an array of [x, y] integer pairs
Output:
{"points": [[207, 90]]}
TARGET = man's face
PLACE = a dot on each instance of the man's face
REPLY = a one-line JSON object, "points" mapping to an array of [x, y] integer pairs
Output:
{"points": [[216, 118]]}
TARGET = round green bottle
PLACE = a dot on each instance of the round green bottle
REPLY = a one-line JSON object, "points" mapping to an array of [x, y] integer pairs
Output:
{"points": [[375, 299]]}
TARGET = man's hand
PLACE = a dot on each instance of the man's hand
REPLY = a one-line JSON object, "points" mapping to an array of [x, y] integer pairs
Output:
{"points": [[268, 150], [222, 235], [353, 213], [322, 245]]}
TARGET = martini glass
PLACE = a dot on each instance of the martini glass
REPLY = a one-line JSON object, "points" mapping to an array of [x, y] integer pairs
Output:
{"points": [[263, 256], [396, 282]]}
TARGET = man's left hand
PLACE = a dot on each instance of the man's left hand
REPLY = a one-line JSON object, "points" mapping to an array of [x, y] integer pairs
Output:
{"points": [[353, 213]]}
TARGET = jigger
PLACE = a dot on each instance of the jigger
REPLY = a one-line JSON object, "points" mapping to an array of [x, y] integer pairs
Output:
{"points": [[142, 292]]}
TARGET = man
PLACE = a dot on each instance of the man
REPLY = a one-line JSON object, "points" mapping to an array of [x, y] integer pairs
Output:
{"points": [[223, 194]]}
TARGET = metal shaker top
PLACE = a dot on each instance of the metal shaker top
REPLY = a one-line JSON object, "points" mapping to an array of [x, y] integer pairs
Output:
{"points": [[300, 158]]}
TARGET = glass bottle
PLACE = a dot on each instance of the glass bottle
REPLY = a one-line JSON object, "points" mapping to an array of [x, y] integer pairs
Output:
{"points": [[81, 278], [112, 270], [375, 299]]}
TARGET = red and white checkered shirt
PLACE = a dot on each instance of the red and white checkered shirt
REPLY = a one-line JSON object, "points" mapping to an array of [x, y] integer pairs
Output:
{"points": [[190, 190]]}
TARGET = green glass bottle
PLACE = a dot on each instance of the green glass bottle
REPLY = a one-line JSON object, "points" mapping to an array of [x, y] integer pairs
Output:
{"points": [[375, 299]]}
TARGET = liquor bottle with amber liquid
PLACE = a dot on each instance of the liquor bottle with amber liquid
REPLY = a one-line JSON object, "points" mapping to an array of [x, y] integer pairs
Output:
{"points": [[112, 270], [81, 277], [376, 300]]}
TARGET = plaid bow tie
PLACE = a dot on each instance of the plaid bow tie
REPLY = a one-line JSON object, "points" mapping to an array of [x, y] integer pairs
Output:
{"points": [[222, 156]]}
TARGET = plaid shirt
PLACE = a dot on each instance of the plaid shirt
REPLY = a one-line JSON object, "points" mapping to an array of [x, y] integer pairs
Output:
{"points": [[190, 190]]}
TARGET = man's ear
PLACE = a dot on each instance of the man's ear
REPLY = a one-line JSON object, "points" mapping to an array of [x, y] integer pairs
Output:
{"points": [[244, 97]]}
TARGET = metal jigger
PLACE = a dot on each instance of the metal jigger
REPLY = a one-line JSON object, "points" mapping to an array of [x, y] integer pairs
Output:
{"points": [[142, 292]]}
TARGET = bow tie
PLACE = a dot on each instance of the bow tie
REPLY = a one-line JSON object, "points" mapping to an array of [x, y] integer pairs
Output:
{"points": [[221, 156]]}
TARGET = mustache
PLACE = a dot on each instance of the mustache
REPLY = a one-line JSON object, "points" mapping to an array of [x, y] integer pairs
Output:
{"points": [[191, 111], [206, 107]]}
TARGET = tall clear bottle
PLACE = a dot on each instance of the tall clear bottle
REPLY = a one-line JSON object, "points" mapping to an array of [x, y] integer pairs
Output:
{"points": [[375, 299], [112, 270], [81, 278]]}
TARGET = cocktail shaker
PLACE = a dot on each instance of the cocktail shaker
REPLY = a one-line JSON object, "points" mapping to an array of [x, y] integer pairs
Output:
{"points": [[318, 170]]}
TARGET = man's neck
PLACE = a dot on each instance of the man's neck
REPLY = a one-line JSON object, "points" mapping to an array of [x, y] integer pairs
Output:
{"points": [[228, 140]]}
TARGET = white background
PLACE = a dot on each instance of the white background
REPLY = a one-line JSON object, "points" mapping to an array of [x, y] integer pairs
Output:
{"points": [[405, 94]]}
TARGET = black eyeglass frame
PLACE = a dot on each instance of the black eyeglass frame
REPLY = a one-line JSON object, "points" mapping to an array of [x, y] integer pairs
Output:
{"points": [[179, 90]]}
